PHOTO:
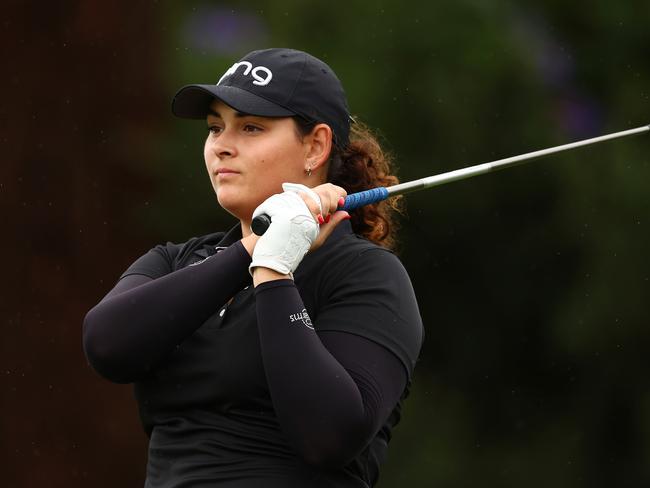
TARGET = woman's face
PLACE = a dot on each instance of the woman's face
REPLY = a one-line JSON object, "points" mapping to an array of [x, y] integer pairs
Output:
{"points": [[249, 157]]}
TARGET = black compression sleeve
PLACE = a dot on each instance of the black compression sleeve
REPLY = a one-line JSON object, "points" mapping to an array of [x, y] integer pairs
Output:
{"points": [[128, 332], [329, 400]]}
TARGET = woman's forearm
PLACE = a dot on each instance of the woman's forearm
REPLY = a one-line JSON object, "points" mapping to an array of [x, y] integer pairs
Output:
{"points": [[126, 334], [319, 405]]}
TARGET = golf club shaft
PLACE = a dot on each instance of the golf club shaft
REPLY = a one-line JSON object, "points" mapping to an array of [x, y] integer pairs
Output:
{"points": [[356, 200], [460, 174]]}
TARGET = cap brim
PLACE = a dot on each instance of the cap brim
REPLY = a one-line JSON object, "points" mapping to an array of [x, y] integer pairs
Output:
{"points": [[193, 102]]}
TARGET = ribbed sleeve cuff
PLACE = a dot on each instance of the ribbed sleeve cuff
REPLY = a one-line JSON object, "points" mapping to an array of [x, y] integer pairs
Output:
{"points": [[270, 285]]}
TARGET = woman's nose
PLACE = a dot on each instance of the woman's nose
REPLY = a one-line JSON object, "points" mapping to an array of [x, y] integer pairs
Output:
{"points": [[224, 145]]}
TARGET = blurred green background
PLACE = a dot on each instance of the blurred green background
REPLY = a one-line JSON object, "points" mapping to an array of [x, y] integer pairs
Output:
{"points": [[533, 283]]}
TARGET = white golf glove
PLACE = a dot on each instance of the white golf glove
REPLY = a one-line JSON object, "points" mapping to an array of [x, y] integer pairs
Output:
{"points": [[292, 231]]}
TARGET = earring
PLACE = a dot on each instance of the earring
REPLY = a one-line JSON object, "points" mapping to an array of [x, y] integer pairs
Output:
{"points": [[308, 171]]}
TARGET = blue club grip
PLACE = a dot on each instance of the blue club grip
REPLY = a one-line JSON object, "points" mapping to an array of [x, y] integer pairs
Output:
{"points": [[353, 201], [356, 200]]}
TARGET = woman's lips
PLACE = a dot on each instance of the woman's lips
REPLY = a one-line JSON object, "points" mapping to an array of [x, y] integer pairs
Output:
{"points": [[226, 173]]}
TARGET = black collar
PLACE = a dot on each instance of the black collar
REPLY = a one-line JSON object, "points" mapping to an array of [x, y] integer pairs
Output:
{"points": [[234, 235]]}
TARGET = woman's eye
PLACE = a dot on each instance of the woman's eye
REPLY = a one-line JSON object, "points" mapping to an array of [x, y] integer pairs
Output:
{"points": [[252, 128], [213, 129]]}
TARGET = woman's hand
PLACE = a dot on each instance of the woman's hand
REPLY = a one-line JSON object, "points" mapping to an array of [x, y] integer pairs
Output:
{"points": [[301, 220], [292, 231], [331, 196], [327, 216]]}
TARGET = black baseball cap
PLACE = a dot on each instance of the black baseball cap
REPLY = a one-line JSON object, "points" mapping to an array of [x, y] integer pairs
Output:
{"points": [[274, 83]]}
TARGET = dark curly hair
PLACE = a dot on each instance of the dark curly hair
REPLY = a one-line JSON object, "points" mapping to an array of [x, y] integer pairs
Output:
{"points": [[363, 165]]}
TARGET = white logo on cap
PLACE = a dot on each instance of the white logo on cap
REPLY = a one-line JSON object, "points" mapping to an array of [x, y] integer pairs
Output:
{"points": [[259, 80]]}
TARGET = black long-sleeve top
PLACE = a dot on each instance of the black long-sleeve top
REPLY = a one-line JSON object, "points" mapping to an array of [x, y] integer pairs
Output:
{"points": [[296, 384]]}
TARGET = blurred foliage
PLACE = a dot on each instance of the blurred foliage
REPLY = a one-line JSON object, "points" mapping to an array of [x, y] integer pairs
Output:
{"points": [[533, 283]]}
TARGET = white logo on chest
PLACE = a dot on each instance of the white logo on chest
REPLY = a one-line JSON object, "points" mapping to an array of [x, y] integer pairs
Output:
{"points": [[198, 262], [302, 317], [261, 74]]}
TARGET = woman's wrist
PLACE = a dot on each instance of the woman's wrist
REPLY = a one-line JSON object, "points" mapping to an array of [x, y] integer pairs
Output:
{"points": [[249, 243], [263, 275], [260, 273]]}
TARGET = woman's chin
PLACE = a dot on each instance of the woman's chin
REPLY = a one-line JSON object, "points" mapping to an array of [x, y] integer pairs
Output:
{"points": [[235, 207], [228, 199]]}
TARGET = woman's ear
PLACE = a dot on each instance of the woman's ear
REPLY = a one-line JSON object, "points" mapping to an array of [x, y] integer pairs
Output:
{"points": [[318, 146]]}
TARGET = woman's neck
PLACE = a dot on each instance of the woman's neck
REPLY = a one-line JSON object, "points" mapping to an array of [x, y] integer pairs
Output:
{"points": [[245, 228]]}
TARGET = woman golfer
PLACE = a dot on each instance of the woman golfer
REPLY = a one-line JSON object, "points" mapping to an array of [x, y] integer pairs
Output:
{"points": [[281, 360]]}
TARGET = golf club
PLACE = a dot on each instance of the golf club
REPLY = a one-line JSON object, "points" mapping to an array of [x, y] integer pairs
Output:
{"points": [[374, 195]]}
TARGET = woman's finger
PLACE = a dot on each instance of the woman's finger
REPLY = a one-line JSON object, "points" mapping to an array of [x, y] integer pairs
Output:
{"points": [[313, 206], [325, 203], [330, 196], [327, 228]]}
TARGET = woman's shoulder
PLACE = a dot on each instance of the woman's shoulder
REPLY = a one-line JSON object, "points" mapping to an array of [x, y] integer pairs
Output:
{"points": [[350, 257], [352, 251], [170, 256], [362, 288], [193, 250]]}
